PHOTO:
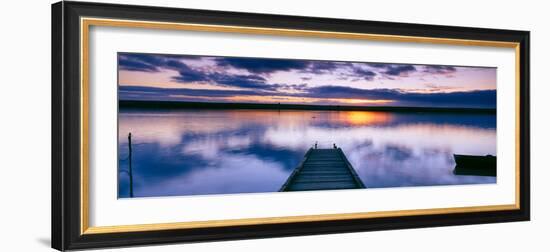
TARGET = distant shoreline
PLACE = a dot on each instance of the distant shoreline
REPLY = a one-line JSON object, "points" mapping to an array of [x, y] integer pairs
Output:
{"points": [[207, 105]]}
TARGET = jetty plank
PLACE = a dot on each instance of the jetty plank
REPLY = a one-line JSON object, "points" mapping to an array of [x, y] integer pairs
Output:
{"points": [[323, 169]]}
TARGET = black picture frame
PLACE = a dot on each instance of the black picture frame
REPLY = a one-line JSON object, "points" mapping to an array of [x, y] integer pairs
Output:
{"points": [[66, 125]]}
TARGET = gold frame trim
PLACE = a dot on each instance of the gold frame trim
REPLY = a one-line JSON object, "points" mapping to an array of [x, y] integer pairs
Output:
{"points": [[85, 24]]}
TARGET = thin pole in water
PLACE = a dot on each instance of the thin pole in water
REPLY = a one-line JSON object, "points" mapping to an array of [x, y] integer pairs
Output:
{"points": [[130, 164]]}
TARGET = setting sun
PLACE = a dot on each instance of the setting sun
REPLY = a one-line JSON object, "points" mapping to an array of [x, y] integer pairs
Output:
{"points": [[366, 117]]}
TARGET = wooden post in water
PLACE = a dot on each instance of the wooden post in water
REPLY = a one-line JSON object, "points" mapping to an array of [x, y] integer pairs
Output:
{"points": [[130, 165]]}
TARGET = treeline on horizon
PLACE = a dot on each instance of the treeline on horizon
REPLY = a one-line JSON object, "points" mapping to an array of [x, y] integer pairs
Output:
{"points": [[141, 104]]}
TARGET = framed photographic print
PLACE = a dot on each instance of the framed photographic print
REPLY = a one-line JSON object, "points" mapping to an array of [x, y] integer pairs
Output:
{"points": [[180, 125]]}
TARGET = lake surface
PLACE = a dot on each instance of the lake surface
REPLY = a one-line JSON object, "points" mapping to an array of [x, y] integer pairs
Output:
{"points": [[194, 152]]}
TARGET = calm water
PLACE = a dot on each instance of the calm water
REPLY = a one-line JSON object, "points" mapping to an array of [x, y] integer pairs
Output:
{"points": [[190, 152]]}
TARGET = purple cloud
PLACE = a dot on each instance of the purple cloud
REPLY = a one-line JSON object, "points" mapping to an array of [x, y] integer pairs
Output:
{"points": [[436, 69], [260, 65], [466, 99]]}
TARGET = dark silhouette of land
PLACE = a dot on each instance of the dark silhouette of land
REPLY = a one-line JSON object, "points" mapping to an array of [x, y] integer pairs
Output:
{"points": [[136, 104]]}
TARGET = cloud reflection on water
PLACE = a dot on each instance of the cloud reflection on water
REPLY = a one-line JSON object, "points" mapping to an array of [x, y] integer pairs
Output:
{"points": [[190, 152]]}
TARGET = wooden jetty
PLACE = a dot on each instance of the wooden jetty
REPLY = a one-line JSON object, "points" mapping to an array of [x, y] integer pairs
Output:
{"points": [[323, 169]]}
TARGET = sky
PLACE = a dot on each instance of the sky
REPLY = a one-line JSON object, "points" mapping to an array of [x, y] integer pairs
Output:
{"points": [[159, 77]]}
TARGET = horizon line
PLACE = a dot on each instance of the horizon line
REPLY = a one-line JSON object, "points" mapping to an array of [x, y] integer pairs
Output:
{"points": [[159, 104]]}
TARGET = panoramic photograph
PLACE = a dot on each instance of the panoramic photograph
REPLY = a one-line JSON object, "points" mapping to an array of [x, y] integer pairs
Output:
{"points": [[203, 125]]}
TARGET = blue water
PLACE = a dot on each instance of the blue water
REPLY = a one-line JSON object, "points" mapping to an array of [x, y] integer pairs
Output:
{"points": [[194, 152]]}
